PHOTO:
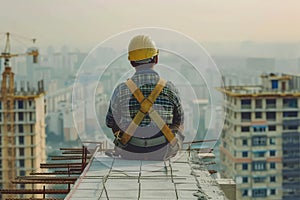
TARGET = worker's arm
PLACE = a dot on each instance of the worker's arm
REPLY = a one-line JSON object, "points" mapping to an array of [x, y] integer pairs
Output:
{"points": [[178, 117], [113, 113]]}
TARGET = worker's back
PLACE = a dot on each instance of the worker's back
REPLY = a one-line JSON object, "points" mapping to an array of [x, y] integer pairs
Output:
{"points": [[145, 112]]}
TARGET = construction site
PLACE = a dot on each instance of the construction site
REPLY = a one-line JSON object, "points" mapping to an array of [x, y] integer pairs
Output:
{"points": [[85, 173], [97, 176]]}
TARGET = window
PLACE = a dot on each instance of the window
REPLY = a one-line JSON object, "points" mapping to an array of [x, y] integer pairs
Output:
{"points": [[291, 153], [274, 84], [290, 114], [272, 128], [245, 154], [29, 103], [259, 166], [272, 191], [245, 179], [31, 128], [245, 142], [259, 141], [245, 193], [259, 192], [245, 166], [21, 128], [22, 173], [271, 103], [293, 139], [271, 116], [259, 154], [259, 128], [290, 103], [21, 151], [245, 128], [246, 103], [21, 139], [20, 104], [272, 179], [291, 127], [272, 152], [21, 116], [272, 141], [272, 165], [258, 103], [258, 115], [259, 179], [246, 116], [22, 163]]}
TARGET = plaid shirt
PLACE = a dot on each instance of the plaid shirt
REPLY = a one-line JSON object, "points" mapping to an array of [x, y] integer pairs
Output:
{"points": [[123, 105]]}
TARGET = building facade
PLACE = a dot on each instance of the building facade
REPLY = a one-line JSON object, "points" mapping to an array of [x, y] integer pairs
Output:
{"points": [[260, 145], [22, 130]]}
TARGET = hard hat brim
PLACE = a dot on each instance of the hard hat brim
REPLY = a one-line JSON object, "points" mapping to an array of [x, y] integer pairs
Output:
{"points": [[141, 54]]}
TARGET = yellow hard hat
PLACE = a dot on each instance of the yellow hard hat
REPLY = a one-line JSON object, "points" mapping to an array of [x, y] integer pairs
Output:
{"points": [[141, 47]]}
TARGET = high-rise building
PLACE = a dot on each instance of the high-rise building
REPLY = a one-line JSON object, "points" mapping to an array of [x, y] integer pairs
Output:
{"points": [[260, 143], [22, 130]]}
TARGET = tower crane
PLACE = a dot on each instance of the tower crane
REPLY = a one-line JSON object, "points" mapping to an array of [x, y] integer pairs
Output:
{"points": [[7, 99], [6, 54]]}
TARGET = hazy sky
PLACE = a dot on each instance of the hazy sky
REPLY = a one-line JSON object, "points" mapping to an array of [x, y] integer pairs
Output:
{"points": [[84, 23]]}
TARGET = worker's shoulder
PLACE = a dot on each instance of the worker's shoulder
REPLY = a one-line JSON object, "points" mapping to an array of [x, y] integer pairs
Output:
{"points": [[121, 86], [170, 85]]}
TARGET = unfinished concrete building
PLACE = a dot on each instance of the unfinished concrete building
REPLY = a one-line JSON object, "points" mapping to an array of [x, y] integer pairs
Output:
{"points": [[22, 130], [260, 146]]}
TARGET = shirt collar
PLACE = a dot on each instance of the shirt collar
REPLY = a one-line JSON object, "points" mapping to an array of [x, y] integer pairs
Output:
{"points": [[145, 70]]}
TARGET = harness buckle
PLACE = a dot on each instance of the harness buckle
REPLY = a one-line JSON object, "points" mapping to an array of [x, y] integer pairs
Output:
{"points": [[118, 135], [146, 104]]}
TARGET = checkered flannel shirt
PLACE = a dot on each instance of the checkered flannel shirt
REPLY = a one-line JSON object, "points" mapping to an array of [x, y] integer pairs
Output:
{"points": [[123, 105]]}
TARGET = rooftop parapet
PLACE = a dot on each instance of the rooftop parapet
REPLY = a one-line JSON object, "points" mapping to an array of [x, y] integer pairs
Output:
{"points": [[272, 85]]}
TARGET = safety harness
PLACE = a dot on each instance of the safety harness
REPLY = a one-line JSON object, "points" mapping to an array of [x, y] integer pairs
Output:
{"points": [[146, 108]]}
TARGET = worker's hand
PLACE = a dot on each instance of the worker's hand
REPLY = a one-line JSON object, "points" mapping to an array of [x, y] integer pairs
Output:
{"points": [[172, 150], [179, 143]]}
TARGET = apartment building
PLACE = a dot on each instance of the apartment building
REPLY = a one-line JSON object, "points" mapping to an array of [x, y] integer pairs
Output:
{"points": [[260, 145]]}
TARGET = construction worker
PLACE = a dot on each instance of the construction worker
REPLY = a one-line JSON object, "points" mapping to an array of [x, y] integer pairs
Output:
{"points": [[145, 112]]}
